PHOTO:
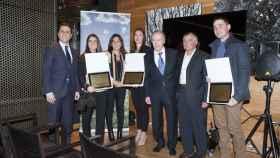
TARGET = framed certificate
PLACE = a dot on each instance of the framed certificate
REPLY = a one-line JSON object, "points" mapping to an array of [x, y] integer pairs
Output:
{"points": [[219, 93], [100, 80], [98, 71], [133, 74], [133, 78]]}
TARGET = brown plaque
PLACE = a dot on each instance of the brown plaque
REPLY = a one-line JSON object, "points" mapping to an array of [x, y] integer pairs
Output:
{"points": [[133, 78], [100, 80], [220, 92]]}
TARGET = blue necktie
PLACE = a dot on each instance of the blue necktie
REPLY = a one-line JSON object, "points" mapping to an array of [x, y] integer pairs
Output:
{"points": [[221, 50], [68, 57], [161, 64]]}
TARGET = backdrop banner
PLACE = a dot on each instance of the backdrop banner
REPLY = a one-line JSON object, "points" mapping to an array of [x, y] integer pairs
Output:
{"points": [[104, 25]]}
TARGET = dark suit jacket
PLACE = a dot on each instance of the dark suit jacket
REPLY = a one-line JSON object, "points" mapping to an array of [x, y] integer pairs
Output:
{"points": [[238, 53], [195, 75], [154, 81], [56, 69]]}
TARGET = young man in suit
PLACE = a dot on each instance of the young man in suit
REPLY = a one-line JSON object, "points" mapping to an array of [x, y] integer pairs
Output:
{"points": [[60, 80], [160, 85], [191, 97], [227, 118]]}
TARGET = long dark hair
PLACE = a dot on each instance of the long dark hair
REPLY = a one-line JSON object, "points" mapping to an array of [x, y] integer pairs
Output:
{"points": [[143, 42], [99, 48], [110, 46]]}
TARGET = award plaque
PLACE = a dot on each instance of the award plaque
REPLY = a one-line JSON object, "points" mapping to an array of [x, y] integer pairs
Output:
{"points": [[100, 80], [220, 93], [133, 78]]}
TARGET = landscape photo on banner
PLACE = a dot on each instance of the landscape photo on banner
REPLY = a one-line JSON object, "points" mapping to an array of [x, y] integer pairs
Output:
{"points": [[104, 25]]}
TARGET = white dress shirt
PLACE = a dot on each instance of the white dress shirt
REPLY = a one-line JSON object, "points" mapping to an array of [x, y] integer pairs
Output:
{"points": [[156, 56], [185, 64]]}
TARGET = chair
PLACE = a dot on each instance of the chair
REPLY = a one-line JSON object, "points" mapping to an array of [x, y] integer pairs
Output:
{"points": [[5, 146], [91, 149], [26, 144]]}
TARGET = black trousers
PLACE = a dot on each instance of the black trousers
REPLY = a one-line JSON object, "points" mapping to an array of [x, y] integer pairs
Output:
{"points": [[142, 109], [62, 112], [100, 98], [191, 121], [159, 101], [86, 120], [116, 97]]}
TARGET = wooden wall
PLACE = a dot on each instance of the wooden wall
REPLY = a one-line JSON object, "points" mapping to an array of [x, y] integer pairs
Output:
{"points": [[137, 8]]}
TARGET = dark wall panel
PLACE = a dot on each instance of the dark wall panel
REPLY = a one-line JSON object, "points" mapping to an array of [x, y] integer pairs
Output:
{"points": [[27, 26]]}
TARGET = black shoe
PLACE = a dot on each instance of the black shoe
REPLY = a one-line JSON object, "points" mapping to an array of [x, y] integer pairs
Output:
{"points": [[119, 134], [158, 147], [172, 152], [185, 155], [179, 139], [111, 136], [199, 155]]}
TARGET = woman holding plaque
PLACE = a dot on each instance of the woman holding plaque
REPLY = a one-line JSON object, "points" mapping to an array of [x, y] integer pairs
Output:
{"points": [[138, 93], [116, 95], [94, 99]]}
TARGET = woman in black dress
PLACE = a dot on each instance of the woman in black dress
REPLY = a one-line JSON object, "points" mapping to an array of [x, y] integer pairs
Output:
{"points": [[138, 93], [116, 96], [99, 98]]}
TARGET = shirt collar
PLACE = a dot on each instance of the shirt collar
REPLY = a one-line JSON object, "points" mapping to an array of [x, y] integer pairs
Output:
{"points": [[162, 51], [191, 53], [63, 44]]}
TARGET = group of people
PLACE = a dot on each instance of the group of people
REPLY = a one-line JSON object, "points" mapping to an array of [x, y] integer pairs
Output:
{"points": [[174, 81]]}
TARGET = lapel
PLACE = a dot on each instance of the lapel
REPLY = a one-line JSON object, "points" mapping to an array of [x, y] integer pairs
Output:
{"points": [[61, 53], [214, 47], [180, 62], [167, 61], [152, 62], [73, 55], [192, 61], [214, 50]]}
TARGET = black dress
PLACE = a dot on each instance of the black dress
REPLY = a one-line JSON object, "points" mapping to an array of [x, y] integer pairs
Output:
{"points": [[116, 96], [142, 109]]}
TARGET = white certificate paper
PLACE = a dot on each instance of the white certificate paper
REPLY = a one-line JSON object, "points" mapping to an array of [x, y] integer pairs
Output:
{"points": [[97, 62], [219, 71], [134, 62]]}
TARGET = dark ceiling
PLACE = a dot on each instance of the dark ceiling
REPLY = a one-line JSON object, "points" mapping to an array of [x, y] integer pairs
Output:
{"points": [[69, 10]]}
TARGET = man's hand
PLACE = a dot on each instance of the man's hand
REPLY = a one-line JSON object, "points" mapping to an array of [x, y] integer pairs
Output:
{"points": [[117, 83], [50, 98], [204, 105], [148, 100], [232, 102], [91, 89], [77, 95]]}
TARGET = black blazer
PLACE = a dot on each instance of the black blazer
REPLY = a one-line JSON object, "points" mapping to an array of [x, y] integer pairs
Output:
{"points": [[55, 71], [154, 81], [195, 75]]}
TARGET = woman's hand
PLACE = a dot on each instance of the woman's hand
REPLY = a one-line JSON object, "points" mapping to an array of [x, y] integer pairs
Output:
{"points": [[117, 83], [91, 89]]}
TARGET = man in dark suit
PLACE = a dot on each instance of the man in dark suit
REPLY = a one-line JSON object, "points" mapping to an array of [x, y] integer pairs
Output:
{"points": [[60, 80], [227, 117], [191, 97], [160, 85]]}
